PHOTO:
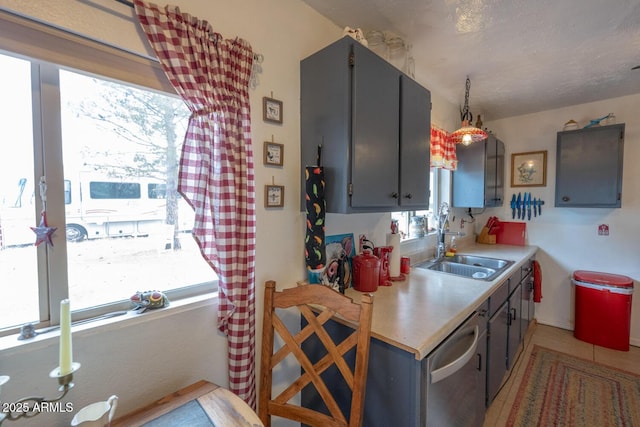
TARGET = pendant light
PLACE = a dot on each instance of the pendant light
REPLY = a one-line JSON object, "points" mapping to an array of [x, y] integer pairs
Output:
{"points": [[467, 134]]}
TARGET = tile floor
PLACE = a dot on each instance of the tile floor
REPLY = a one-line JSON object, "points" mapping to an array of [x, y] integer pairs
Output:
{"points": [[560, 340]]}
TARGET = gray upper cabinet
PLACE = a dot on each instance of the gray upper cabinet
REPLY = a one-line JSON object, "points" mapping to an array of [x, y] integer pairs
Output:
{"points": [[478, 182], [373, 123], [589, 167]]}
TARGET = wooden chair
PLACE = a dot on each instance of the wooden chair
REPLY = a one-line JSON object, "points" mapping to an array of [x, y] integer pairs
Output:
{"points": [[317, 304]]}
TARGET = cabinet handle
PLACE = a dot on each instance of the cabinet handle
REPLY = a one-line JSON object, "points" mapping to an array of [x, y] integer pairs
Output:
{"points": [[479, 362], [565, 198], [512, 317], [394, 195], [408, 196]]}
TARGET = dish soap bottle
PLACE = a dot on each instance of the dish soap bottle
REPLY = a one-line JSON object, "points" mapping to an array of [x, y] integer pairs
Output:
{"points": [[452, 248]]}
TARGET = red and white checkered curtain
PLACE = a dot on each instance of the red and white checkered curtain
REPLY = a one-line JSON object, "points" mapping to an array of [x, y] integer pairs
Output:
{"points": [[216, 168], [443, 150]]}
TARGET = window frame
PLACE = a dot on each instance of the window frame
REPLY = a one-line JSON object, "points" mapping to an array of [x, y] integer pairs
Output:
{"points": [[440, 181], [49, 49]]}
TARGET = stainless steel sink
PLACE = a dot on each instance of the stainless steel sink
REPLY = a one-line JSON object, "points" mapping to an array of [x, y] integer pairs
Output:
{"points": [[475, 267], [479, 261]]}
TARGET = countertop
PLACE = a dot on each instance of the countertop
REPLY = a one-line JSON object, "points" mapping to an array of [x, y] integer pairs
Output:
{"points": [[420, 312]]}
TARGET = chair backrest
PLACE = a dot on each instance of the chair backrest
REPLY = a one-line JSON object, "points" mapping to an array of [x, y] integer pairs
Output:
{"points": [[317, 304]]}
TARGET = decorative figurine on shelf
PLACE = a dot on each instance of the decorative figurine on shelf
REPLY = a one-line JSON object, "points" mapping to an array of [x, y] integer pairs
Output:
{"points": [[609, 119], [356, 34], [394, 226], [149, 299]]}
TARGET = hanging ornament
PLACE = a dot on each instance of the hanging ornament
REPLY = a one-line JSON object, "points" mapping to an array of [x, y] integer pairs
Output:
{"points": [[43, 231]]}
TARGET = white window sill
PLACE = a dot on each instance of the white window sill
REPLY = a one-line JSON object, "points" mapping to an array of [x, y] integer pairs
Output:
{"points": [[10, 344]]}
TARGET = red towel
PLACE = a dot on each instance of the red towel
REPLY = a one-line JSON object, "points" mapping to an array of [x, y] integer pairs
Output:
{"points": [[537, 281]]}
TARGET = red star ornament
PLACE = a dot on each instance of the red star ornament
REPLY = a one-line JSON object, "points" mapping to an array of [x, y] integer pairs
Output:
{"points": [[43, 232]]}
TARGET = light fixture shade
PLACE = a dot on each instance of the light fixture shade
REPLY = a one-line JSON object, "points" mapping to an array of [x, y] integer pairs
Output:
{"points": [[468, 134]]}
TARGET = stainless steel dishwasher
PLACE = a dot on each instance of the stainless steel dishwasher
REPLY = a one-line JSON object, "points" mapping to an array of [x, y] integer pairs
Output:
{"points": [[456, 377]]}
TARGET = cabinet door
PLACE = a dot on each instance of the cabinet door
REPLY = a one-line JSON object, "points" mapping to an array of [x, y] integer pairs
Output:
{"points": [[494, 173], [415, 136], [515, 322], [469, 177], [325, 119], [497, 350], [482, 370], [375, 131], [589, 167]]}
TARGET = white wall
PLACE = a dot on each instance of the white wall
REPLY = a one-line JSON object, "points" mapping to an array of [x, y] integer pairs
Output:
{"points": [[568, 237]]}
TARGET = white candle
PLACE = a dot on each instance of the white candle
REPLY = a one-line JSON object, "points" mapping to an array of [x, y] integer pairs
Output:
{"points": [[65, 338]]}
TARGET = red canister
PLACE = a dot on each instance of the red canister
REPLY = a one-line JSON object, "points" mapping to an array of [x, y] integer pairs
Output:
{"points": [[405, 265], [366, 272]]}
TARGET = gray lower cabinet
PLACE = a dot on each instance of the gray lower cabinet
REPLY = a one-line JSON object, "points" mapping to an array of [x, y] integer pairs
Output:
{"points": [[373, 123], [589, 167], [478, 182], [514, 322], [497, 338], [511, 310]]}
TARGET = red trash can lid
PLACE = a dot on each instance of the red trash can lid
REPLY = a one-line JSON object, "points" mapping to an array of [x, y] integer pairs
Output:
{"points": [[598, 278]]}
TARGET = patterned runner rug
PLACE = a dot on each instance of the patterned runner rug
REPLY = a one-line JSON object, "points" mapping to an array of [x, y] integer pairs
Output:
{"points": [[562, 390]]}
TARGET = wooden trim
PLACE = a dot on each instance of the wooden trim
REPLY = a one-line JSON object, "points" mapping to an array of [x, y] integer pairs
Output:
{"points": [[164, 405], [32, 39]]}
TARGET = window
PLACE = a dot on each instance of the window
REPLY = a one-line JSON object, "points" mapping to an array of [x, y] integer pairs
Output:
{"points": [[114, 190], [438, 182], [109, 151]]}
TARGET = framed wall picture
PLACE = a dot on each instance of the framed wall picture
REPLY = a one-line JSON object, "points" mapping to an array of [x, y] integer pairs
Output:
{"points": [[273, 196], [271, 110], [273, 153], [529, 169]]}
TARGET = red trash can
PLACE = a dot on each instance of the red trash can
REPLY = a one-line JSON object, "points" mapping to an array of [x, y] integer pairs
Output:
{"points": [[603, 308]]}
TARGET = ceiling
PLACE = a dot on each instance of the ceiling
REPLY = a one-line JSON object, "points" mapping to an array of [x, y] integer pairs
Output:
{"points": [[522, 56]]}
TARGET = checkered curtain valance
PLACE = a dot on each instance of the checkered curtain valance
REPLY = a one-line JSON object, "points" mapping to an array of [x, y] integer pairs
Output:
{"points": [[443, 150]]}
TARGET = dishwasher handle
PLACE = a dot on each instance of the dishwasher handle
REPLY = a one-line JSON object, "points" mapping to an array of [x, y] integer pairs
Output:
{"points": [[450, 369]]}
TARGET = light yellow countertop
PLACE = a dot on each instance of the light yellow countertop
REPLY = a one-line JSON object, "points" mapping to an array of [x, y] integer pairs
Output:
{"points": [[420, 312]]}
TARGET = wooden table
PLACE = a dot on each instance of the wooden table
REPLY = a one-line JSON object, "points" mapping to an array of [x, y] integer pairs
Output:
{"points": [[202, 404]]}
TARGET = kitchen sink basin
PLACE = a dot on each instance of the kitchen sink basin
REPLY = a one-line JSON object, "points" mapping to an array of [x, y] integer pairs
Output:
{"points": [[475, 267], [479, 261]]}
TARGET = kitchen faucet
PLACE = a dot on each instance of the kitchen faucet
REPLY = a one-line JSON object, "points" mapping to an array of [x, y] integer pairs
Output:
{"points": [[443, 219]]}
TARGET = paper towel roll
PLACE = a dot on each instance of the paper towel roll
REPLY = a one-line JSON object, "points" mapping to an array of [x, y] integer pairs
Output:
{"points": [[394, 261]]}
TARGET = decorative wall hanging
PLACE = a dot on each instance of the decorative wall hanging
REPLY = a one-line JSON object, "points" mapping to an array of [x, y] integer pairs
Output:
{"points": [[523, 206], [271, 110], [316, 211], [43, 231], [529, 169], [273, 153], [273, 196]]}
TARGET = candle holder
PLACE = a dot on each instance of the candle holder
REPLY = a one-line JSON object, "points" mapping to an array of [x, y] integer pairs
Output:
{"points": [[28, 407]]}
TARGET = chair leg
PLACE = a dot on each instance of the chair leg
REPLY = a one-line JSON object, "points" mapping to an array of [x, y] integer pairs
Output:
{"points": [[267, 350]]}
